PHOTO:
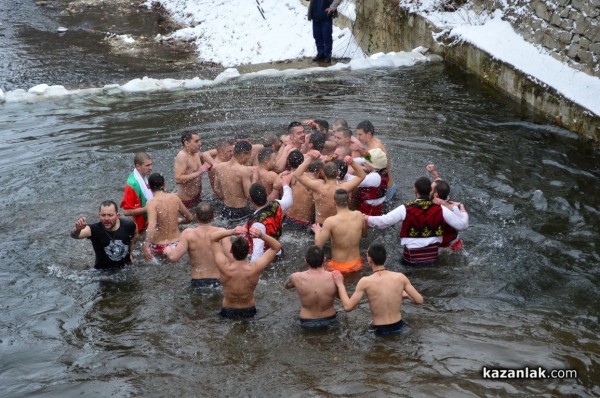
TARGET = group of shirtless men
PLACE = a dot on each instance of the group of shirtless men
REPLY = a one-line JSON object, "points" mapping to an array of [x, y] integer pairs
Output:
{"points": [[312, 178]]}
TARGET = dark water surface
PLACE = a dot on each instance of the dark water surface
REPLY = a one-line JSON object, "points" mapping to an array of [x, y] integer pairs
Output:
{"points": [[524, 292]]}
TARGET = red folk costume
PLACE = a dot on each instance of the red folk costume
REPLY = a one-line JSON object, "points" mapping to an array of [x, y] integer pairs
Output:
{"points": [[271, 216], [424, 219], [372, 193]]}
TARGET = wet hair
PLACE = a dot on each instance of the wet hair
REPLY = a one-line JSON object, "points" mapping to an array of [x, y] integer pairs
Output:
{"points": [[156, 182], [241, 135], [314, 256], [341, 198], [223, 144], [442, 188], [258, 194], [346, 132], [108, 203], [240, 248], [242, 148], [366, 126], [330, 170], [315, 166], [423, 186], [342, 168], [347, 151], [272, 141], [294, 124], [140, 158], [317, 139], [264, 155], [377, 253], [323, 125], [186, 136], [340, 123], [205, 212], [295, 159]]}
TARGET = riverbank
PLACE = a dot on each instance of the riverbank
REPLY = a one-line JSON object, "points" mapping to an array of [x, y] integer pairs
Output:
{"points": [[480, 41]]}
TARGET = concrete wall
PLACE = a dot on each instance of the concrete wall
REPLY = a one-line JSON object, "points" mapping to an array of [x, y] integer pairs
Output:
{"points": [[382, 26]]}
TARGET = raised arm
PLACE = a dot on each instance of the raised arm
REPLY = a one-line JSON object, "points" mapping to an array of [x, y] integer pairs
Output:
{"points": [[434, 173], [287, 200], [314, 185], [359, 175], [81, 230], [269, 255], [217, 248], [209, 156]]}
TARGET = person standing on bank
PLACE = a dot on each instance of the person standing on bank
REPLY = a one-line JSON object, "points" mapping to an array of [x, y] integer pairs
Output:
{"points": [[321, 13], [111, 238]]}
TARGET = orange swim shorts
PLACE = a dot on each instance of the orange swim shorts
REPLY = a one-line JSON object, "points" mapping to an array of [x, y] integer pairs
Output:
{"points": [[346, 267]]}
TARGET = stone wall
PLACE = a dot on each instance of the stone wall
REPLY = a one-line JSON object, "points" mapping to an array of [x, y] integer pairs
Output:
{"points": [[382, 26], [569, 29]]}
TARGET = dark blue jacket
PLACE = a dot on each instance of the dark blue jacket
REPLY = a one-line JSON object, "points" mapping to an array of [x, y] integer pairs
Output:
{"points": [[316, 10]]}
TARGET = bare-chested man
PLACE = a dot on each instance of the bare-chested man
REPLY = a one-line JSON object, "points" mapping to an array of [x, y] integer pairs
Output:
{"points": [[188, 169], [323, 190], [345, 230], [232, 183], [239, 277], [316, 290], [223, 153], [365, 132], [196, 242], [301, 215], [343, 137], [385, 290], [164, 211], [264, 173], [295, 139]]}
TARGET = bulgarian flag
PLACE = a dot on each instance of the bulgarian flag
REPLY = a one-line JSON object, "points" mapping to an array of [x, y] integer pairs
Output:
{"points": [[135, 197]]}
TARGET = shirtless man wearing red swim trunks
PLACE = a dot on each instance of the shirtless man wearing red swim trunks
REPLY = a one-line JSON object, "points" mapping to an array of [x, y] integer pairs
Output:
{"points": [[164, 216]]}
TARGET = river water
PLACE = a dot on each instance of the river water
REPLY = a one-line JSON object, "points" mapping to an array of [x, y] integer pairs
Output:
{"points": [[523, 293]]}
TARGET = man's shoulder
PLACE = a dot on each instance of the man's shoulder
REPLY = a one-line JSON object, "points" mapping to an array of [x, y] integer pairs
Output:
{"points": [[126, 222], [182, 154], [95, 227]]}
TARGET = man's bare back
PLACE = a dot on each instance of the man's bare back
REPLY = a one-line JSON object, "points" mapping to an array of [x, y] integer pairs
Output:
{"points": [[163, 211], [317, 292], [303, 207], [233, 181], [384, 290], [323, 190], [196, 242], [345, 229], [238, 277]]}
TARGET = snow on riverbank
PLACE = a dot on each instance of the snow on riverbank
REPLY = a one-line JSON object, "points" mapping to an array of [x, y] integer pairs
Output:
{"points": [[146, 85], [262, 31]]}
